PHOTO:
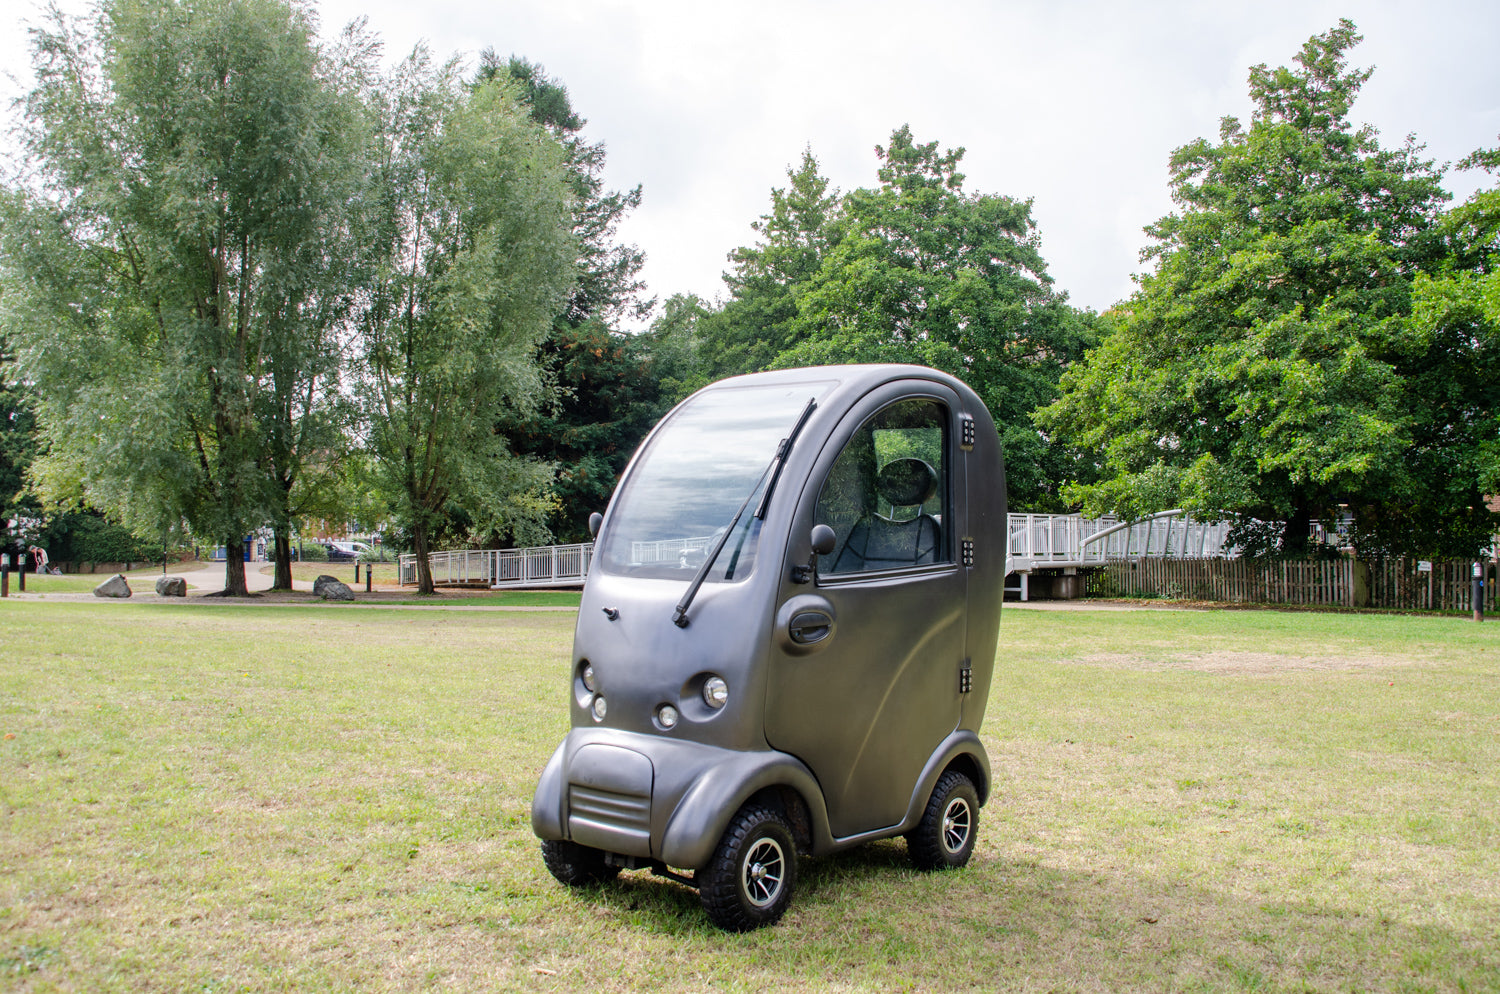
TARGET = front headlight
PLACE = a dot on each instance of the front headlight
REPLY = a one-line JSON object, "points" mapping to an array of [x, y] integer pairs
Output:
{"points": [[715, 692], [588, 677], [600, 708]]}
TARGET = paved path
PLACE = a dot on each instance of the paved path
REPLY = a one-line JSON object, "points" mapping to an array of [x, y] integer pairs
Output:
{"points": [[208, 578]]}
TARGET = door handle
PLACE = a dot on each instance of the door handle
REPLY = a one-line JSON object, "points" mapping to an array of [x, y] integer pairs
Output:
{"points": [[809, 627]]}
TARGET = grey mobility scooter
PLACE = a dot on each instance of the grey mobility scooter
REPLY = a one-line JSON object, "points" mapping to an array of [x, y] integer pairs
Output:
{"points": [[786, 638]]}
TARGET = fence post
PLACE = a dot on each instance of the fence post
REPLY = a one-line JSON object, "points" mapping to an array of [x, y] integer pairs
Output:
{"points": [[1478, 592]]}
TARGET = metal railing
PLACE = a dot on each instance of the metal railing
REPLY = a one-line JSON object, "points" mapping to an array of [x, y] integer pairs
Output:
{"points": [[541, 566], [1033, 541]]}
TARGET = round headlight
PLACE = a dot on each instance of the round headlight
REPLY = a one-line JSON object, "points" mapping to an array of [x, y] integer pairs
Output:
{"points": [[601, 707], [588, 677], [715, 692], [666, 716]]}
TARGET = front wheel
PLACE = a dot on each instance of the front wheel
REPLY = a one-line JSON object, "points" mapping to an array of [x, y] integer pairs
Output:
{"points": [[749, 881], [944, 838], [575, 865]]}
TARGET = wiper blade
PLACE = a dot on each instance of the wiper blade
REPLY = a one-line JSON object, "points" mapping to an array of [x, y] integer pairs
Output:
{"points": [[680, 618]]}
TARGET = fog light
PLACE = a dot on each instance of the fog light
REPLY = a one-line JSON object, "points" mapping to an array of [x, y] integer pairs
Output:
{"points": [[715, 692], [588, 677], [600, 708], [666, 716]]}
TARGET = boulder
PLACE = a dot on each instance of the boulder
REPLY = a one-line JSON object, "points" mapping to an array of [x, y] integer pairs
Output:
{"points": [[115, 586], [332, 589], [171, 586]]}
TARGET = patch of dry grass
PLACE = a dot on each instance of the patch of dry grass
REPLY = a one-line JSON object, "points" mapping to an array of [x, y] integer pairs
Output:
{"points": [[206, 797]]}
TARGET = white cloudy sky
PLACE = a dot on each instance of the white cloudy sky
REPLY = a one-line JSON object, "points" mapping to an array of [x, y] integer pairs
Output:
{"points": [[1074, 103]]}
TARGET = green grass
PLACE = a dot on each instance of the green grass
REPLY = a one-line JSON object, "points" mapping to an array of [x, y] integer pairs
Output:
{"points": [[221, 797]]}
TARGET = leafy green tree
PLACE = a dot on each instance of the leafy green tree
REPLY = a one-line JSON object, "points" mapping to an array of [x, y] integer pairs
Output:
{"points": [[757, 323], [1453, 355], [1265, 369], [163, 251], [919, 270], [18, 441], [603, 398], [609, 284], [608, 399], [471, 234]]}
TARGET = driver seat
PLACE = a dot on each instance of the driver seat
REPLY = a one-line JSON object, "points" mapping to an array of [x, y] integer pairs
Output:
{"points": [[877, 542]]}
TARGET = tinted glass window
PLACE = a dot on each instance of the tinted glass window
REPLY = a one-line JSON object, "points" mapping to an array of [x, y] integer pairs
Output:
{"points": [[684, 490], [886, 495]]}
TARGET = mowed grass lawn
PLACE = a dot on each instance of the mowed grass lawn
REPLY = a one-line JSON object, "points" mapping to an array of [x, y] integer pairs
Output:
{"points": [[229, 798]]}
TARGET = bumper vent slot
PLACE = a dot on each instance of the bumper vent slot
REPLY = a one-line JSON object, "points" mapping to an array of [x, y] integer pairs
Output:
{"points": [[610, 820]]}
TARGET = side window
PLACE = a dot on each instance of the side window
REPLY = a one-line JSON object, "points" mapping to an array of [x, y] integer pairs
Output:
{"points": [[886, 496]]}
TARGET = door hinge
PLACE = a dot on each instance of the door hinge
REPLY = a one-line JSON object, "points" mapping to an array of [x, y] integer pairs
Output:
{"points": [[968, 551], [965, 677], [966, 432]]}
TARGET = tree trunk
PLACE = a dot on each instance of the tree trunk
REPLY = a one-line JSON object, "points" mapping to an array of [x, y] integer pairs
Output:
{"points": [[424, 564], [283, 559], [234, 567], [1294, 538]]}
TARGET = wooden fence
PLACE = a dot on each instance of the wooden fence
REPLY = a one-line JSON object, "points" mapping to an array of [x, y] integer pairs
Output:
{"points": [[1387, 583]]}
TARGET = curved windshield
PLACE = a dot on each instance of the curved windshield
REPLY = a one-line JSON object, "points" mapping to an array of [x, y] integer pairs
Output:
{"points": [[699, 468]]}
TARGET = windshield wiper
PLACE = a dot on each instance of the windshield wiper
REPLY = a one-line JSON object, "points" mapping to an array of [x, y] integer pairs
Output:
{"points": [[680, 619]]}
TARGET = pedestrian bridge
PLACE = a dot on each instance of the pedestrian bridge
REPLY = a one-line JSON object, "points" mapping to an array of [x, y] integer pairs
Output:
{"points": [[1034, 542]]}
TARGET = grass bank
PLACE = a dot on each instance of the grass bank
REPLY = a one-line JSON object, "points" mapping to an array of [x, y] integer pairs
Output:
{"points": [[215, 797]]}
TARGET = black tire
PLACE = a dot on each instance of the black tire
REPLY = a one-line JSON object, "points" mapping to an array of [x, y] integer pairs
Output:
{"points": [[944, 838], [575, 865], [748, 882]]}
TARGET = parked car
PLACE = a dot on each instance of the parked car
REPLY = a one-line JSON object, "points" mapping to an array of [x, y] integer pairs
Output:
{"points": [[785, 642], [345, 552]]}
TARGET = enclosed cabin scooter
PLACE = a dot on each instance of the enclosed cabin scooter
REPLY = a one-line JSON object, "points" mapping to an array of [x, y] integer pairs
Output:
{"points": [[786, 638]]}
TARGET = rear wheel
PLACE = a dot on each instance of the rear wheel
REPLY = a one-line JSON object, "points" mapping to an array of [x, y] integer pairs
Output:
{"points": [[749, 881], [575, 865], [944, 838]]}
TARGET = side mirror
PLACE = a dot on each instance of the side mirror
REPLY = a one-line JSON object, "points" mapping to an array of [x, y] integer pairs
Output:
{"points": [[823, 540], [595, 520]]}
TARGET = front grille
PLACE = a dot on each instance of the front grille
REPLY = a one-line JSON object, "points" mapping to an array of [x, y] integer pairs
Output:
{"points": [[610, 820]]}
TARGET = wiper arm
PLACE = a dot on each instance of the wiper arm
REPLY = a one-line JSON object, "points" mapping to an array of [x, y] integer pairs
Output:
{"points": [[680, 619]]}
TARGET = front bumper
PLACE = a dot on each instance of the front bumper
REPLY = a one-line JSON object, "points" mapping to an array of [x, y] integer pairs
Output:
{"points": [[656, 798]]}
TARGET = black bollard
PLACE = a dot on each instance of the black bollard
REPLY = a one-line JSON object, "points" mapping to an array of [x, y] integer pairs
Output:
{"points": [[1478, 592], [369, 574], [21, 570], [5, 574]]}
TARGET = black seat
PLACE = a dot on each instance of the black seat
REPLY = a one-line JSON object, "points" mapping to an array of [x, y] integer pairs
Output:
{"points": [[877, 542]]}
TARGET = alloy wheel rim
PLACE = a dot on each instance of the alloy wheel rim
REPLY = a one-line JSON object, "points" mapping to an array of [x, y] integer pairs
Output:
{"points": [[958, 821], [764, 872]]}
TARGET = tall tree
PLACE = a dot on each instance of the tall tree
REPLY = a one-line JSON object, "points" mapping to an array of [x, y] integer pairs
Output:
{"points": [[180, 153], [1453, 358], [758, 322], [603, 397], [609, 285], [1260, 372], [919, 270], [471, 229]]}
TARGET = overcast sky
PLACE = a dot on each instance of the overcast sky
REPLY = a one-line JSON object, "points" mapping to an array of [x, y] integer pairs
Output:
{"points": [[1076, 104]]}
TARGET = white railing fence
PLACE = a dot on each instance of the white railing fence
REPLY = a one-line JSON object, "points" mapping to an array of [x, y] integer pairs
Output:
{"points": [[542, 566], [1034, 541]]}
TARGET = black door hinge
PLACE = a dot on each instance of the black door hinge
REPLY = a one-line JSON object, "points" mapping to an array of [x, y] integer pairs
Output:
{"points": [[965, 677], [966, 432], [968, 551]]}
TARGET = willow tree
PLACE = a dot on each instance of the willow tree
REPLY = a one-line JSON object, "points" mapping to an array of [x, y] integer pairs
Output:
{"points": [[162, 250], [470, 230]]}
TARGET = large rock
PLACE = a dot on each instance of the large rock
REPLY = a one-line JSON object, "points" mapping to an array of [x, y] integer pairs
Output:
{"points": [[115, 586], [332, 589], [171, 586]]}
